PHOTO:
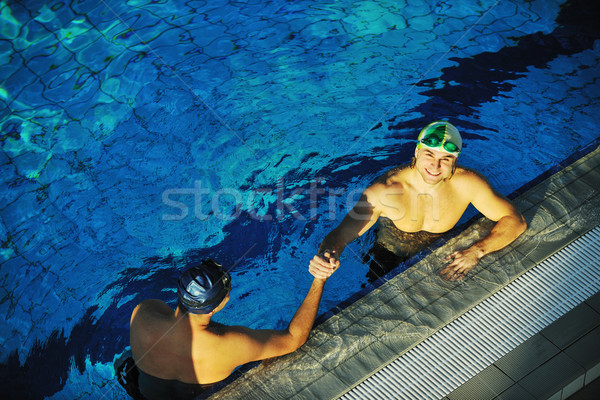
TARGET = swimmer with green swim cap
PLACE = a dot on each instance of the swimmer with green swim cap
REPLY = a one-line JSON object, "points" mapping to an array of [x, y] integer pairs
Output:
{"points": [[442, 136], [417, 203]]}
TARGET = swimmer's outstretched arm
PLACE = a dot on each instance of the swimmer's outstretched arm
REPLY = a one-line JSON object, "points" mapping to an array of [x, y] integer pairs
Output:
{"points": [[362, 216], [244, 345]]}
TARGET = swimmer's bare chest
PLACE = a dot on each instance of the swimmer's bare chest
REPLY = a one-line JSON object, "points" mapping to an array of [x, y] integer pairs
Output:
{"points": [[435, 211]]}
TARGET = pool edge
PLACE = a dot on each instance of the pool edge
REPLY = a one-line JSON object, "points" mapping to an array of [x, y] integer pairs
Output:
{"points": [[335, 376]]}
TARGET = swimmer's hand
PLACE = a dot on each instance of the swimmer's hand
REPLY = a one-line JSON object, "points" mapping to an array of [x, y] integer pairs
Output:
{"points": [[323, 265], [461, 262]]}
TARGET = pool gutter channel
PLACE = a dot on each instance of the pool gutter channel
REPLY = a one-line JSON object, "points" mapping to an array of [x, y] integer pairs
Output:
{"points": [[538, 297], [382, 345]]}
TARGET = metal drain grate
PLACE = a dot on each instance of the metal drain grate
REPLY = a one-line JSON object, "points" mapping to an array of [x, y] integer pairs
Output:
{"points": [[491, 329]]}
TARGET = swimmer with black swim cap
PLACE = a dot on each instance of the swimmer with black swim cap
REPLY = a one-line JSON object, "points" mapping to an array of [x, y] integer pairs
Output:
{"points": [[202, 288], [179, 353]]}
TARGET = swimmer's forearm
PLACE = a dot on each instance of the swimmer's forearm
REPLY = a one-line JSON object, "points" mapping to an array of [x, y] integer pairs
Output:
{"points": [[358, 221], [336, 241], [304, 318], [506, 230], [331, 246]]}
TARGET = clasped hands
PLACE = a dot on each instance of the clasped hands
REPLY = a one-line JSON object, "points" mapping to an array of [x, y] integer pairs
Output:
{"points": [[323, 265]]}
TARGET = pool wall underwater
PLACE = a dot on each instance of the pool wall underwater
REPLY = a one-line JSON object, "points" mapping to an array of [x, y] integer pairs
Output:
{"points": [[139, 137]]}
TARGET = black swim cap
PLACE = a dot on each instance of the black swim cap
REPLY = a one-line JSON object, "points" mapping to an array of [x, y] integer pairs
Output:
{"points": [[202, 288]]}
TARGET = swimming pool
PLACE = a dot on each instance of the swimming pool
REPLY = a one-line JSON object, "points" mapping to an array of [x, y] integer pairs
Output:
{"points": [[140, 136]]}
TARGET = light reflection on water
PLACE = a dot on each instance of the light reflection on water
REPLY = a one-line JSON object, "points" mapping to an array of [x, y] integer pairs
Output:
{"points": [[97, 126]]}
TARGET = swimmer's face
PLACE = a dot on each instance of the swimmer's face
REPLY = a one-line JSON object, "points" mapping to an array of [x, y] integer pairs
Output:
{"points": [[434, 166]]}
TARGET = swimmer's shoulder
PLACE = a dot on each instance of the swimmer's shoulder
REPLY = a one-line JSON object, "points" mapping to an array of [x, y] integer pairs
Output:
{"points": [[392, 176], [392, 182], [467, 173], [152, 309], [469, 179], [150, 321]]}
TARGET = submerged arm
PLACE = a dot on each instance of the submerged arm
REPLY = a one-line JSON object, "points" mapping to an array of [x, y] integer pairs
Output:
{"points": [[355, 223], [362, 216]]}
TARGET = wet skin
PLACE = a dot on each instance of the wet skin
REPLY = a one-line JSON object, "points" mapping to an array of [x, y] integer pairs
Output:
{"points": [[426, 197]]}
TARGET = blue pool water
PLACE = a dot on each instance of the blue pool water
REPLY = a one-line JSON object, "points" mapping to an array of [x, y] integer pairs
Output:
{"points": [[141, 136]]}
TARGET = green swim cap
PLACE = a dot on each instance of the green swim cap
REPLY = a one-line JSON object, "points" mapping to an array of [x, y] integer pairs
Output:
{"points": [[441, 136]]}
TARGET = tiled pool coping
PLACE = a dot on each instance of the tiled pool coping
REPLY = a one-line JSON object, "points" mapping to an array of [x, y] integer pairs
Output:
{"points": [[402, 312]]}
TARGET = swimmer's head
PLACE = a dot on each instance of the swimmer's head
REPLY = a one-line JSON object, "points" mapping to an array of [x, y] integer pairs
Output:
{"points": [[202, 288], [441, 136]]}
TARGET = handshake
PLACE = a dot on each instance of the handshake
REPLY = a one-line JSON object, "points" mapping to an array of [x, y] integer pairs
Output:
{"points": [[323, 265]]}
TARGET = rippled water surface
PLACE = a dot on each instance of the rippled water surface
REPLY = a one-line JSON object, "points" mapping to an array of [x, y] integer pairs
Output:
{"points": [[140, 136]]}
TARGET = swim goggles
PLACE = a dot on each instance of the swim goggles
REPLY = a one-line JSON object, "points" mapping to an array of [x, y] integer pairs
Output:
{"points": [[433, 140], [226, 278], [204, 301], [225, 284], [441, 135]]}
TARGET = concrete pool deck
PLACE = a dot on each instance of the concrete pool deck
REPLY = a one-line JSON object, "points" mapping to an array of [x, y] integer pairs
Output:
{"points": [[398, 315]]}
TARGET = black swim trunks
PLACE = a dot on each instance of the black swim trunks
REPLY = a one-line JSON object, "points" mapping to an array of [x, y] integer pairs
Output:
{"points": [[128, 375], [142, 386], [153, 388], [394, 246]]}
